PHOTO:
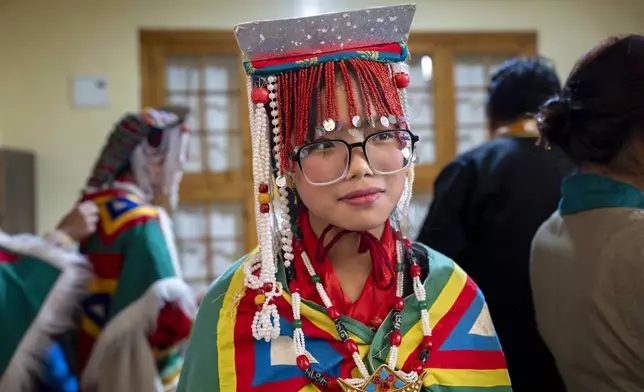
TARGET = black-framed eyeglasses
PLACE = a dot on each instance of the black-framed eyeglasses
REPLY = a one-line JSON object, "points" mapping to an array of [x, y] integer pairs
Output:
{"points": [[327, 161]]}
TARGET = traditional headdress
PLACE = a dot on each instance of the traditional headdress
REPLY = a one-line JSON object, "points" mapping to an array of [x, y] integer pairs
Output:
{"points": [[288, 63], [152, 138]]}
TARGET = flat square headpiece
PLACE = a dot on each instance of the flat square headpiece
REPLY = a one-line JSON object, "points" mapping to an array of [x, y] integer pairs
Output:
{"points": [[376, 34]]}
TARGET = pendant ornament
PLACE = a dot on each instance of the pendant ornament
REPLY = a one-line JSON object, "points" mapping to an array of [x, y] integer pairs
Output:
{"points": [[385, 379]]}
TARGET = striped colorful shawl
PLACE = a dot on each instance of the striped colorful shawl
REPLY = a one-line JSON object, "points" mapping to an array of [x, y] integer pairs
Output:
{"points": [[223, 356]]}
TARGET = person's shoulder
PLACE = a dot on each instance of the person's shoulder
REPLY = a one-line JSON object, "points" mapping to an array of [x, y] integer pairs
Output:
{"points": [[553, 226], [499, 149], [466, 158], [492, 146], [472, 159], [624, 242], [458, 168], [438, 267], [431, 258], [551, 236], [123, 212]]}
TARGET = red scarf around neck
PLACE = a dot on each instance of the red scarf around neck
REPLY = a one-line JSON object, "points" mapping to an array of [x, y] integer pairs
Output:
{"points": [[375, 301]]}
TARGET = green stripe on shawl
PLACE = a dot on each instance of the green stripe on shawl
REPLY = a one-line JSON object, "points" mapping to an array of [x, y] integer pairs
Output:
{"points": [[200, 362]]}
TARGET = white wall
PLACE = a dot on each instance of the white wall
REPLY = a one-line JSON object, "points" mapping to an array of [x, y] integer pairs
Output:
{"points": [[52, 40]]}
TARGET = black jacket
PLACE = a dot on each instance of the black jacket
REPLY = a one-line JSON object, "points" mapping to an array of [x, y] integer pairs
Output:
{"points": [[488, 204]]}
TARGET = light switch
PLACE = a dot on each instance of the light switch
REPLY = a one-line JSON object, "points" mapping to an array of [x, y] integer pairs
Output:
{"points": [[90, 91]]}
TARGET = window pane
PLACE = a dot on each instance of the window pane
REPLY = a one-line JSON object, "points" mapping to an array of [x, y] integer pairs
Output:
{"points": [[222, 151], [208, 243], [182, 73], [472, 122], [418, 209], [225, 254], [192, 258], [222, 73], [189, 222], [470, 71], [226, 235], [472, 76], [222, 122], [192, 103], [420, 97], [210, 87], [222, 112], [194, 162], [471, 136], [226, 221]]}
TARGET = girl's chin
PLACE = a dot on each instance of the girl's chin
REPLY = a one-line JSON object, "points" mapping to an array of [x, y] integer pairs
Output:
{"points": [[360, 221]]}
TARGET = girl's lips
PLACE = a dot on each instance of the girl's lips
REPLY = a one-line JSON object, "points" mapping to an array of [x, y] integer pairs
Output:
{"points": [[362, 197]]}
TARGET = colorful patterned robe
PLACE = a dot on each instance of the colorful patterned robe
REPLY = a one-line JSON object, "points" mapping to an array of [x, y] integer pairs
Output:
{"points": [[41, 286], [139, 310], [223, 356]]}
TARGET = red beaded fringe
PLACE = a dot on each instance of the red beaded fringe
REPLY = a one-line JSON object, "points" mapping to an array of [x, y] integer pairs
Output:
{"points": [[299, 89]]}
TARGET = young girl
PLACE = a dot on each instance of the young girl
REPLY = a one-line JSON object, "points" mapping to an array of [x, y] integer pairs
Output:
{"points": [[335, 297]]}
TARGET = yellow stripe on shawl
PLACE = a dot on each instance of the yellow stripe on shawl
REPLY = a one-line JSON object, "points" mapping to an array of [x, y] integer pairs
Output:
{"points": [[459, 377], [226, 329]]}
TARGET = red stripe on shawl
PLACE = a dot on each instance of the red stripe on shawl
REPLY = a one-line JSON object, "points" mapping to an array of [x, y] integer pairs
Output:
{"points": [[7, 257], [108, 192], [106, 265], [467, 359]]}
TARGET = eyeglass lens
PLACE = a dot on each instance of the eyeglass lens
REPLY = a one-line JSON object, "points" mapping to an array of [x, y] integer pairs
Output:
{"points": [[326, 161]]}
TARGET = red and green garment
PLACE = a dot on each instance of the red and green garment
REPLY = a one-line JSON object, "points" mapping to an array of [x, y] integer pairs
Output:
{"points": [[41, 286], [223, 355], [139, 312]]}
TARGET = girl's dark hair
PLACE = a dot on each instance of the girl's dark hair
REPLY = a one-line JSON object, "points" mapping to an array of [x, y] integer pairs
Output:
{"points": [[601, 107]]}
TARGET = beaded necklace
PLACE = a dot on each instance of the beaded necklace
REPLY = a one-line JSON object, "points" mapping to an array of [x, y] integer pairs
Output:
{"points": [[385, 378]]}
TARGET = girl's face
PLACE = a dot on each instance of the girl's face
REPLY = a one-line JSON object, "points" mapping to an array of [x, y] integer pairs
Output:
{"points": [[363, 200]]}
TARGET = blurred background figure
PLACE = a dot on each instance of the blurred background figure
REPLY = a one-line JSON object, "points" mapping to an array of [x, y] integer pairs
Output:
{"points": [[588, 258], [139, 311], [489, 202], [43, 282]]}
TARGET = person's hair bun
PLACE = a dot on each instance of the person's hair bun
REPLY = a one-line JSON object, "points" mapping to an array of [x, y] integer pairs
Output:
{"points": [[554, 121]]}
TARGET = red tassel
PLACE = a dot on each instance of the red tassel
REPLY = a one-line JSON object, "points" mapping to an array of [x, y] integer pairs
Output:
{"points": [[297, 90]]}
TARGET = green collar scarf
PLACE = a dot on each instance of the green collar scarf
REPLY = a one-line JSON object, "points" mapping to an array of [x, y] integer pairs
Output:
{"points": [[581, 192]]}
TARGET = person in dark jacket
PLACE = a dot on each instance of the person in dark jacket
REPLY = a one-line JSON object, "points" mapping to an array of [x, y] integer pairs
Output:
{"points": [[489, 202]]}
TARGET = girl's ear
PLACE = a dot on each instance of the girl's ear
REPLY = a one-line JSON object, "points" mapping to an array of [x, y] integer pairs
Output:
{"points": [[290, 180]]}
